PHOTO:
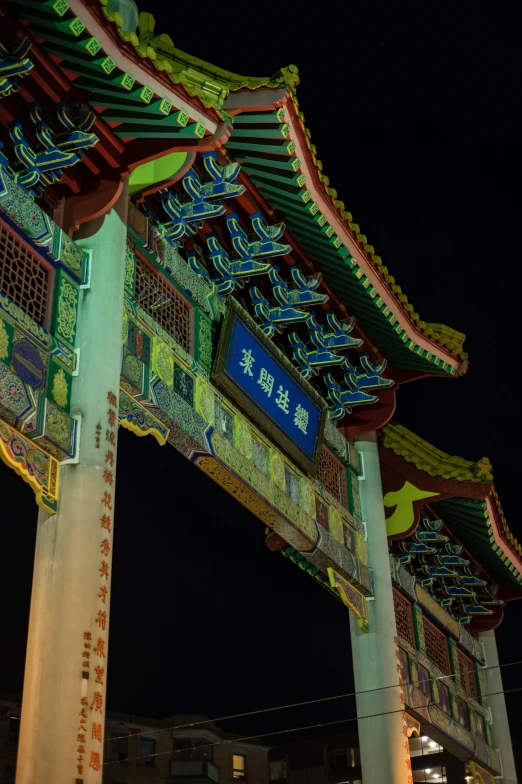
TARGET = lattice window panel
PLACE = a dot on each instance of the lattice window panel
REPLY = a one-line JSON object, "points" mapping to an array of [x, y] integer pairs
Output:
{"points": [[436, 646], [163, 303], [332, 476], [403, 617], [467, 675], [23, 277]]}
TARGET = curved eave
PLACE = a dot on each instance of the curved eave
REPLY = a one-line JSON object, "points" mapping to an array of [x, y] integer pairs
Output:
{"points": [[432, 461], [290, 182], [470, 504], [473, 522]]}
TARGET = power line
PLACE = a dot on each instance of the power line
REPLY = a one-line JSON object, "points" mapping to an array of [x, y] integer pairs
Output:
{"points": [[244, 738], [298, 704]]}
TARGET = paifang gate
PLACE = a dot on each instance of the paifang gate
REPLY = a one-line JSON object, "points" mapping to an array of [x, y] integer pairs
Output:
{"points": [[173, 261]]}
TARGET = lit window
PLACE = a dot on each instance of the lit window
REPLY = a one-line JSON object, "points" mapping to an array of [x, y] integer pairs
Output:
{"points": [[238, 766], [423, 745], [435, 775]]}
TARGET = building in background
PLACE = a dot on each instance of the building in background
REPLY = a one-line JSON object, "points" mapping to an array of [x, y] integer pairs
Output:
{"points": [[148, 751], [336, 759], [173, 260]]}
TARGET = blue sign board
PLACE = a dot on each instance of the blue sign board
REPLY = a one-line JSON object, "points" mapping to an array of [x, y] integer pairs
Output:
{"points": [[269, 392]]}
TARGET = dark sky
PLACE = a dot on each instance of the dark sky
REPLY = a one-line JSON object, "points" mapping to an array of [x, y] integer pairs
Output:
{"points": [[415, 124]]}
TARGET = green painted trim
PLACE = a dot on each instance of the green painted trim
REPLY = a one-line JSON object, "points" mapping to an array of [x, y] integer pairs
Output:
{"points": [[158, 130], [65, 308], [454, 660], [418, 627], [260, 117], [203, 352], [58, 390], [159, 170], [288, 164]]}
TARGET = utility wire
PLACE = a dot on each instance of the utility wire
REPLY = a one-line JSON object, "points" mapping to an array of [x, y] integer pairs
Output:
{"points": [[298, 704], [244, 738]]}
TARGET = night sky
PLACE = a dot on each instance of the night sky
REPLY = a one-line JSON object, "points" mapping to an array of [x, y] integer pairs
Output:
{"points": [[415, 124]]}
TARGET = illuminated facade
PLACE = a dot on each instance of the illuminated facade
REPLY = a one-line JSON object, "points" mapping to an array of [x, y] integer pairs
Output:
{"points": [[175, 262]]}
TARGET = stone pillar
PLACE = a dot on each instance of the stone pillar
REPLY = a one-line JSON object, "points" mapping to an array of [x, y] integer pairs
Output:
{"points": [[63, 708], [383, 744], [497, 703]]}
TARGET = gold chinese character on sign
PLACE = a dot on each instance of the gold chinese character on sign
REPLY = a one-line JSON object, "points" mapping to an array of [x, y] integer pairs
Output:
{"points": [[97, 702], [104, 570], [97, 732], [105, 547], [106, 523], [95, 762]]}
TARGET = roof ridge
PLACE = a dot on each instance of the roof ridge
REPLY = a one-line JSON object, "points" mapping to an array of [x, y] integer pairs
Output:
{"points": [[414, 449], [212, 89], [435, 462], [160, 50]]}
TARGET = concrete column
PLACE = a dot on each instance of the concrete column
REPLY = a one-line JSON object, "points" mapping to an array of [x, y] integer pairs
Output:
{"points": [[383, 745], [497, 703], [63, 708]]}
